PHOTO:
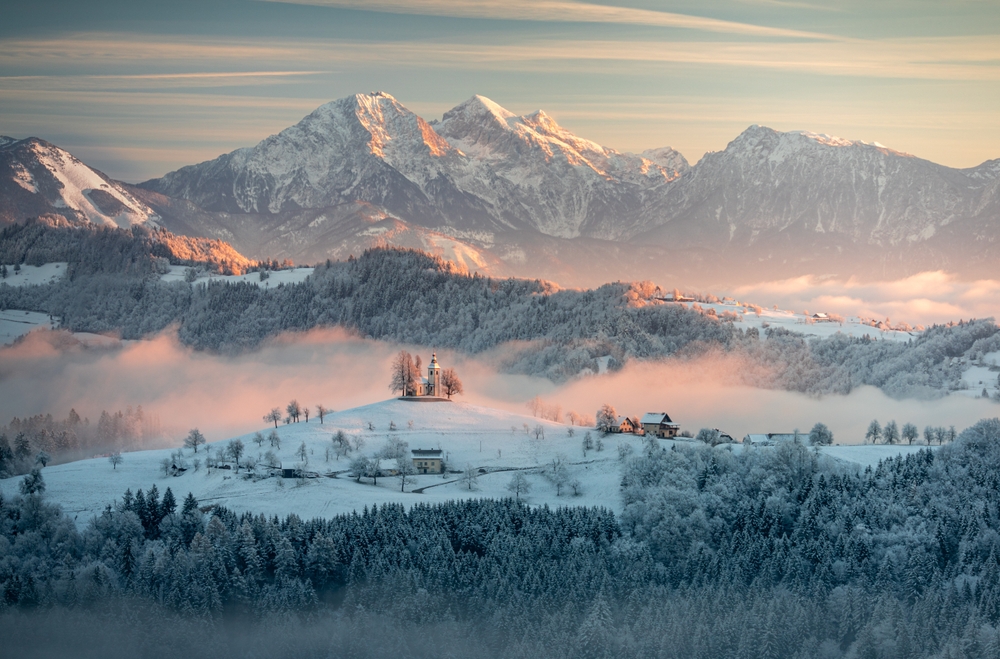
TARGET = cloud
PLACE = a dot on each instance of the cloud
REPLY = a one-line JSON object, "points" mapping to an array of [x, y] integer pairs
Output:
{"points": [[227, 396], [951, 58], [563, 11], [924, 298]]}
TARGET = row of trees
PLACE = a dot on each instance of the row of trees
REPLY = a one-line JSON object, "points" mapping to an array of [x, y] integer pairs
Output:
{"points": [[75, 437], [294, 413], [892, 434]]}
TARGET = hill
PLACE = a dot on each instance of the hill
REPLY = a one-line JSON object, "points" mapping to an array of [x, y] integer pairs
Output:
{"points": [[496, 444]]}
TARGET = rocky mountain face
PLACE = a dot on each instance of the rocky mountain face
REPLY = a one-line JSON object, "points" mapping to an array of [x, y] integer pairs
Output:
{"points": [[481, 169], [38, 178], [767, 184], [521, 195]]}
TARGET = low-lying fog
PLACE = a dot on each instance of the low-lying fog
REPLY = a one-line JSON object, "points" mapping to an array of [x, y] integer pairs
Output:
{"points": [[923, 299], [225, 396]]}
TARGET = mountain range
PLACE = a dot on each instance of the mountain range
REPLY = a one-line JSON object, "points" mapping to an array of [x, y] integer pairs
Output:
{"points": [[509, 194]]}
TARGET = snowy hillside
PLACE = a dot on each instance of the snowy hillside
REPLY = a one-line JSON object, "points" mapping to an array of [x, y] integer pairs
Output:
{"points": [[495, 443], [38, 178]]}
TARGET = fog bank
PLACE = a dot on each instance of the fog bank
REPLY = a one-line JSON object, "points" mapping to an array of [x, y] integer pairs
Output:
{"points": [[924, 298], [226, 396]]}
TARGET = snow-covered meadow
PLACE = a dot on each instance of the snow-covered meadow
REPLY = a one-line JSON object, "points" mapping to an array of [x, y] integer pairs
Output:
{"points": [[495, 443]]}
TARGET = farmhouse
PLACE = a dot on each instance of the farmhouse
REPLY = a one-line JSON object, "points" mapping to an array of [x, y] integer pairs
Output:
{"points": [[428, 461], [659, 424], [623, 424]]}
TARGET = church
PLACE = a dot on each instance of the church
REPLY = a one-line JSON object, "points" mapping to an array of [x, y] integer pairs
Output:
{"points": [[430, 386]]}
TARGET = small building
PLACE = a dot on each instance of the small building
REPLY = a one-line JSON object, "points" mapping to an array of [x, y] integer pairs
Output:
{"points": [[659, 424], [428, 461], [623, 424]]}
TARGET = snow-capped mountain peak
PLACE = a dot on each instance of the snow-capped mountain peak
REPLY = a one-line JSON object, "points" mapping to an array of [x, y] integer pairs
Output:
{"points": [[38, 178]]}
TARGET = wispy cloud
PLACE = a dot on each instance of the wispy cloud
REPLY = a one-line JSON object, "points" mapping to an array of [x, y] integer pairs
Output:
{"points": [[566, 11], [951, 58]]}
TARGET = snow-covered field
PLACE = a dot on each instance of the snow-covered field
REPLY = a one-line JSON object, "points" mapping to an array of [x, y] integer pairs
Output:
{"points": [[34, 274], [15, 323], [276, 277], [490, 440]]}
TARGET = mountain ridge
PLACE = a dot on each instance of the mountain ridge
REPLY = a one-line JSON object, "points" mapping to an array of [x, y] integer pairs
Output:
{"points": [[516, 190]]}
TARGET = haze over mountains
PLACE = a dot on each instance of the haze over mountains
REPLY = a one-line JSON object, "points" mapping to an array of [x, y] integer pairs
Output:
{"points": [[510, 194]]}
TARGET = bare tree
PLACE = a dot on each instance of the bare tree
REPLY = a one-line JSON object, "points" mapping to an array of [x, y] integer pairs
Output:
{"points": [[294, 410], [273, 416], [470, 477], [450, 382], [539, 431], [518, 485], [235, 449], [115, 459], [910, 433], [321, 412], [535, 405], [305, 413], [258, 439], [404, 374], [588, 443], [302, 453], [194, 439], [275, 439]]}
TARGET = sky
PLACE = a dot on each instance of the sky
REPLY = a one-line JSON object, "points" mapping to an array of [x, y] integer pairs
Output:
{"points": [[137, 88]]}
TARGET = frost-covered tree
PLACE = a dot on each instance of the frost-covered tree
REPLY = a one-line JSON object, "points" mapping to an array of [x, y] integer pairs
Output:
{"points": [[274, 439], [910, 433], [874, 432], [470, 477], [274, 416], [890, 434], [518, 485], [398, 451], [194, 439], [33, 483], [294, 410], [451, 383], [708, 436], [115, 459], [321, 412], [607, 418], [404, 374], [235, 450], [820, 435]]}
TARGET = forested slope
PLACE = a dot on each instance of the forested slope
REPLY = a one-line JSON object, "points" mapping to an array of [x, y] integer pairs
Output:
{"points": [[528, 326], [773, 552]]}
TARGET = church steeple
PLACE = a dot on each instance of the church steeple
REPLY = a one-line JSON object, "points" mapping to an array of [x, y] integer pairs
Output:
{"points": [[434, 376]]}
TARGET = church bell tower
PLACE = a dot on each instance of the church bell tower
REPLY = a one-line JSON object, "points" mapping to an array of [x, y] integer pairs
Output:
{"points": [[434, 376]]}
